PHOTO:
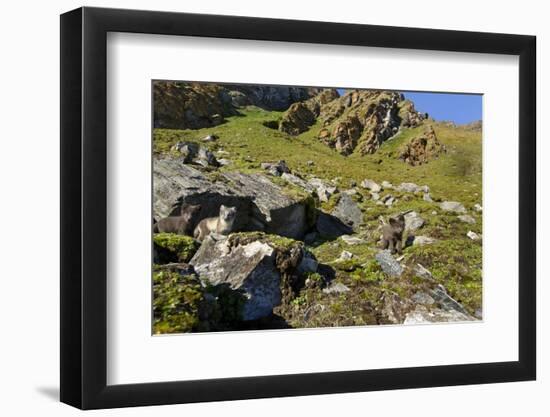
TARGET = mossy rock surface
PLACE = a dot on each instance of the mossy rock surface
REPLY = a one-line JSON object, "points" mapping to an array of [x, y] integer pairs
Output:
{"points": [[171, 247]]}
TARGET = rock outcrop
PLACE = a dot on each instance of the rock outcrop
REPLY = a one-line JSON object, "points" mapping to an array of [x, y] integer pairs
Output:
{"points": [[421, 149], [261, 205], [253, 265], [181, 105], [300, 116], [361, 120]]}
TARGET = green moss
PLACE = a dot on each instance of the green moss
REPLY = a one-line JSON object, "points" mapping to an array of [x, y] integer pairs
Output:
{"points": [[276, 241], [176, 302], [171, 247]]}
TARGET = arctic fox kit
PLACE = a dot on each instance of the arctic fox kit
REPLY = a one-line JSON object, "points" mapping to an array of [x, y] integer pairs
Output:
{"points": [[392, 234], [223, 224]]}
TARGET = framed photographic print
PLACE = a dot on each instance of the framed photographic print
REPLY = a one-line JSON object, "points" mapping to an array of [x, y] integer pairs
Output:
{"points": [[258, 208]]}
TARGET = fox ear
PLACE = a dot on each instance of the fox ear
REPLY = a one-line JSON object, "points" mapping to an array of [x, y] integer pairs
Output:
{"points": [[393, 222]]}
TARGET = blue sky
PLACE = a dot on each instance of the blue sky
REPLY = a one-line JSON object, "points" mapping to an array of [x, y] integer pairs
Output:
{"points": [[459, 108]]}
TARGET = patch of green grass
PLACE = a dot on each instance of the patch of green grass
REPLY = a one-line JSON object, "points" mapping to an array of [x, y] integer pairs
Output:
{"points": [[457, 264]]}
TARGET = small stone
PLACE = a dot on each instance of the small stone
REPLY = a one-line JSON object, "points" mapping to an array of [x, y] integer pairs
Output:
{"points": [[478, 208], [427, 197], [224, 162], [467, 219], [454, 206], [345, 256], [336, 288], [371, 185], [389, 265], [210, 138], [352, 240], [310, 163], [408, 187], [390, 201], [422, 272], [434, 212], [422, 240], [375, 196], [473, 235], [387, 185]]}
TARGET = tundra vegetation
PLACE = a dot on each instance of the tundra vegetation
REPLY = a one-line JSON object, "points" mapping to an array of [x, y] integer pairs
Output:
{"points": [[316, 178]]}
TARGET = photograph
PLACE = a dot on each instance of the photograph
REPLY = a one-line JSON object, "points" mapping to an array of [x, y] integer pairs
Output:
{"points": [[290, 207]]}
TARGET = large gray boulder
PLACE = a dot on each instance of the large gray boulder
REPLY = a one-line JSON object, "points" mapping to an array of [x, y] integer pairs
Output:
{"points": [[249, 269], [331, 227], [261, 204], [348, 211]]}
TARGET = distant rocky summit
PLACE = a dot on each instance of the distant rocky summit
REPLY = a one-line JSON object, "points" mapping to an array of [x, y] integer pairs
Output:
{"points": [[358, 121]]}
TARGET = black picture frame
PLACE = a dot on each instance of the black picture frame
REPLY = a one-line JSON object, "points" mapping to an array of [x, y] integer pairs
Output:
{"points": [[84, 207]]}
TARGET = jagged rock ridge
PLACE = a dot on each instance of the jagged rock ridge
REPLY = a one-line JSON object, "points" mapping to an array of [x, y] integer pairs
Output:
{"points": [[359, 121]]}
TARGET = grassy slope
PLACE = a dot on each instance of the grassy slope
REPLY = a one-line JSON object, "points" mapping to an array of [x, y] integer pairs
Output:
{"points": [[454, 260]]}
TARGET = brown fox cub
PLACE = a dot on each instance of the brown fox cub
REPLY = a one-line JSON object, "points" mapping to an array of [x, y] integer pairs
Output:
{"points": [[182, 224], [392, 234], [223, 224]]}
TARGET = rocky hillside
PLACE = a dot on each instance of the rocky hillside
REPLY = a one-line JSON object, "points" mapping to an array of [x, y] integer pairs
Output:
{"points": [[179, 105], [314, 183]]}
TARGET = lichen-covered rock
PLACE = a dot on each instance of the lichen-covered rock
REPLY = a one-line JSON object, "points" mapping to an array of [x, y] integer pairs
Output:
{"points": [[252, 264], [261, 204], [422, 148]]}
